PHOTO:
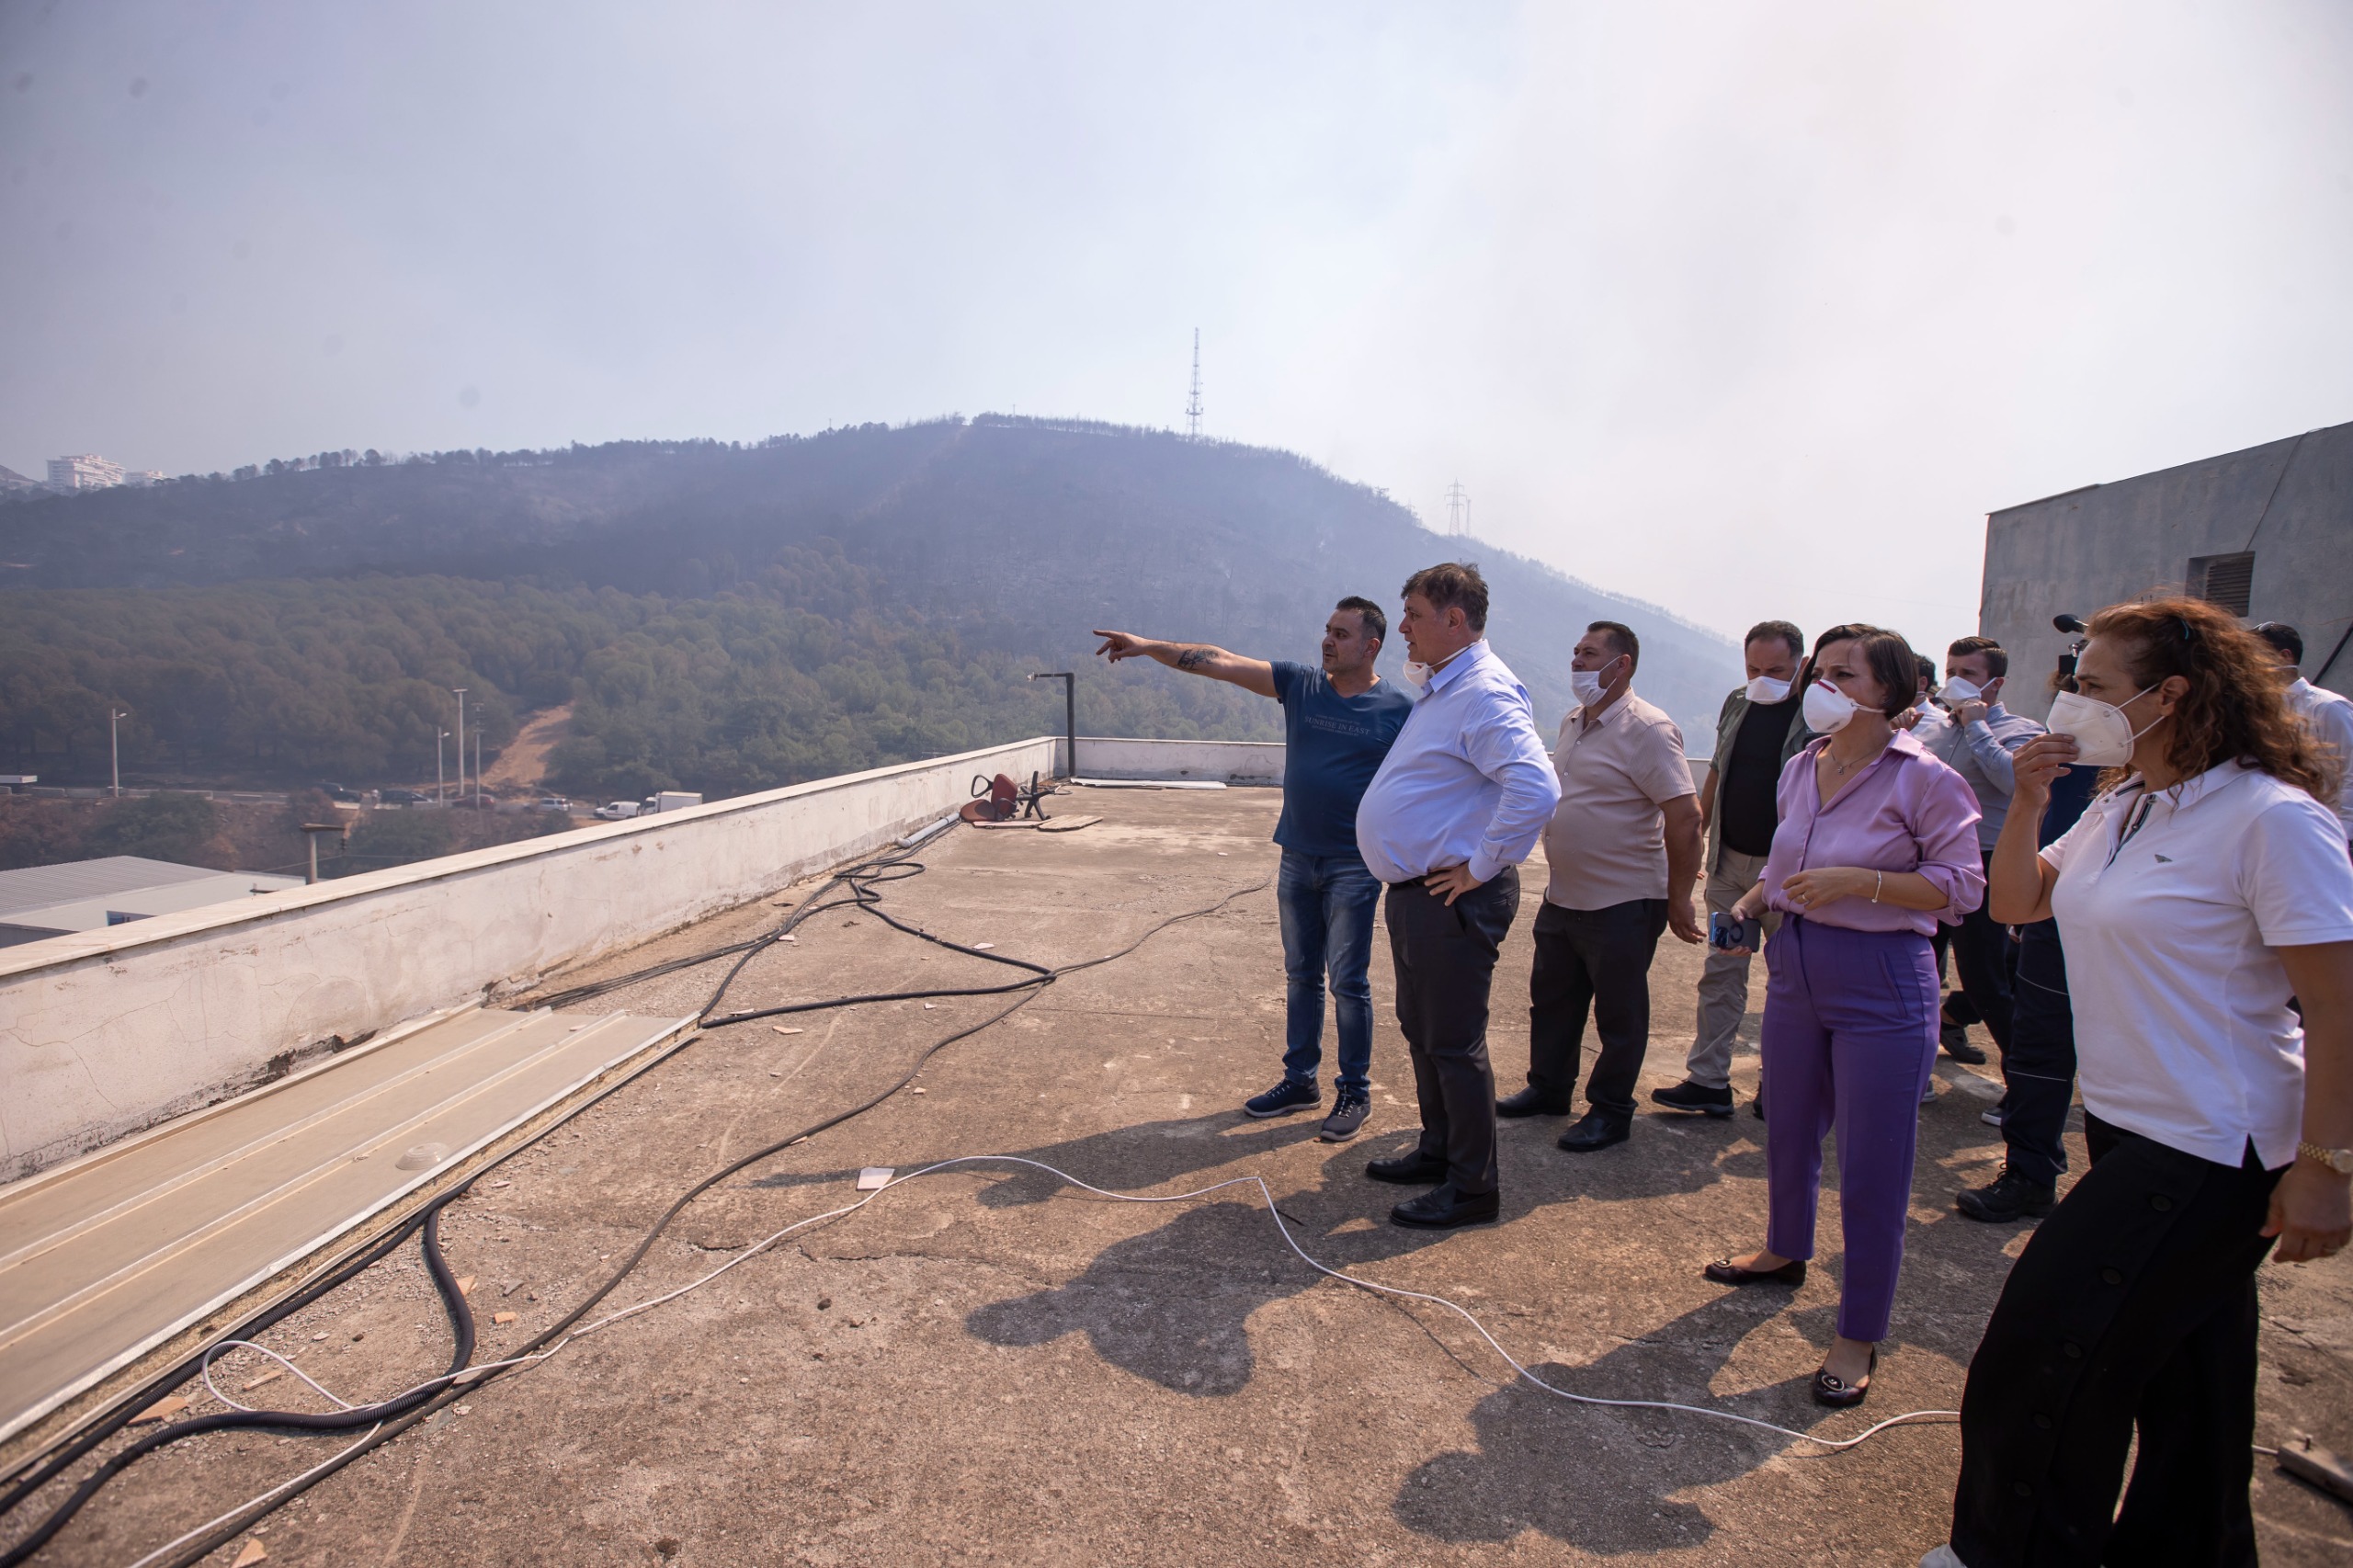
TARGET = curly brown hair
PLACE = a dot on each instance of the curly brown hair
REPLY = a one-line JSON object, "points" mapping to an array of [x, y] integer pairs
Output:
{"points": [[2235, 708]]}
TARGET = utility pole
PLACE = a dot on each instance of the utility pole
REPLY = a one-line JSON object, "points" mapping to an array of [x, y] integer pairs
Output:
{"points": [[461, 740], [1458, 511], [114, 716], [441, 783], [1193, 405], [1070, 715], [477, 761]]}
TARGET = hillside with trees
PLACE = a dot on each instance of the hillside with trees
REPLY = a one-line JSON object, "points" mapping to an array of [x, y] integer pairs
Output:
{"points": [[719, 618]]}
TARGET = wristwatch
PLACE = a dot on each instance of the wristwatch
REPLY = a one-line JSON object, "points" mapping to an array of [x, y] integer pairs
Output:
{"points": [[2338, 1160]]}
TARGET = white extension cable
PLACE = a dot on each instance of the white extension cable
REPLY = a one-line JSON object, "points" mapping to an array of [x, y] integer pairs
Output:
{"points": [[1265, 1196]]}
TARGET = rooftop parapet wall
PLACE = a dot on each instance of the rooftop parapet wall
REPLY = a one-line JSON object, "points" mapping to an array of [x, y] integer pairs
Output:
{"points": [[1223, 762], [105, 1032]]}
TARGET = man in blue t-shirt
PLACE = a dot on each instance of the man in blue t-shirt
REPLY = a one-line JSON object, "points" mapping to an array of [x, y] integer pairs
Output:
{"points": [[1338, 723]]}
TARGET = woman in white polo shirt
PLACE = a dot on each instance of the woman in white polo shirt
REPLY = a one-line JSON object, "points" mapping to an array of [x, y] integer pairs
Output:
{"points": [[2196, 896]]}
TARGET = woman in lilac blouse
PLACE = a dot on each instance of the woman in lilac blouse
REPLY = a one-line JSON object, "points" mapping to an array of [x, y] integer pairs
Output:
{"points": [[1877, 843]]}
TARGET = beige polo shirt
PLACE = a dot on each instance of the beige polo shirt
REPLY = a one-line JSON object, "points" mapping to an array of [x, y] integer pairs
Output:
{"points": [[1607, 843]]}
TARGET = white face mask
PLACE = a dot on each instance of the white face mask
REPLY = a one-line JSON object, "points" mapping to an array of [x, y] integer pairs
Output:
{"points": [[1960, 689], [1589, 685], [2102, 733], [1765, 690], [1827, 709], [1416, 674]]}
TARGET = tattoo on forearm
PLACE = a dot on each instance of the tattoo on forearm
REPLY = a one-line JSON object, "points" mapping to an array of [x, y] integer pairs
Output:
{"points": [[1193, 658]]}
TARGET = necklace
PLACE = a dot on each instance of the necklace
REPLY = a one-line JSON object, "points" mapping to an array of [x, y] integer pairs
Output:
{"points": [[1844, 767]]}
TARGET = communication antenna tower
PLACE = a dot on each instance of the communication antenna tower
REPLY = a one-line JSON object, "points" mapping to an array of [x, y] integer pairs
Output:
{"points": [[1193, 405], [1458, 511]]}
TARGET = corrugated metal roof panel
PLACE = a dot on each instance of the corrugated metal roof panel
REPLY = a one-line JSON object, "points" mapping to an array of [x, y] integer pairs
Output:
{"points": [[35, 886]]}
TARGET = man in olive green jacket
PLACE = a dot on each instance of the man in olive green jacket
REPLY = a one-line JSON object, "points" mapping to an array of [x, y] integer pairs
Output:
{"points": [[1756, 733]]}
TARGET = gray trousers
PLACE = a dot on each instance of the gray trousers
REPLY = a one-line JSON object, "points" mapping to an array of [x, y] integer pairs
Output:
{"points": [[1723, 983]]}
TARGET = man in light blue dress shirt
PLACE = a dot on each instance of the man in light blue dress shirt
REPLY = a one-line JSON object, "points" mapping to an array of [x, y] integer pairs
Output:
{"points": [[1462, 798]]}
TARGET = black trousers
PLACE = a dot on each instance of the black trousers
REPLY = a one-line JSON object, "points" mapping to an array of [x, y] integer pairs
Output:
{"points": [[1445, 956], [1597, 961], [2133, 1305], [2039, 1066], [1983, 955]]}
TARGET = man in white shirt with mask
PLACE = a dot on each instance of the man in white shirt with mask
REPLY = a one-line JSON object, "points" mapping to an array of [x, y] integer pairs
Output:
{"points": [[2330, 716]]}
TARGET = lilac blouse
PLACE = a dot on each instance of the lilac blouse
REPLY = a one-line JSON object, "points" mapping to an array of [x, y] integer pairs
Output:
{"points": [[1906, 811]]}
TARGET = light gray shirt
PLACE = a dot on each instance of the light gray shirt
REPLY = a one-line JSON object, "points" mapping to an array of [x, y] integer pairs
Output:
{"points": [[1980, 751]]}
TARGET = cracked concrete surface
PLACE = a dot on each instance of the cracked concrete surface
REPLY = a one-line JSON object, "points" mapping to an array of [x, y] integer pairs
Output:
{"points": [[990, 1366]]}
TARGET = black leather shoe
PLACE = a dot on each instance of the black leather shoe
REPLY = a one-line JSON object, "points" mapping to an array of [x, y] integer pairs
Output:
{"points": [[1408, 1170], [1689, 1096], [1838, 1394], [2007, 1197], [1726, 1272], [1597, 1130], [1442, 1209], [1530, 1101], [1954, 1038]]}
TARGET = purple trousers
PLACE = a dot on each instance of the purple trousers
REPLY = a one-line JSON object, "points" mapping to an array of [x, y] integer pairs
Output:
{"points": [[1850, 1033]]}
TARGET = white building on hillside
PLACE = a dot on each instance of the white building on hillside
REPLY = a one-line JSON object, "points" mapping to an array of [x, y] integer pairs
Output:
{"points": [[87, 471]]}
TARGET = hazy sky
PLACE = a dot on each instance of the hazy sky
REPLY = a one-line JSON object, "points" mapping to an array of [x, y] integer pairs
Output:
{"points": [[1748, 310]]}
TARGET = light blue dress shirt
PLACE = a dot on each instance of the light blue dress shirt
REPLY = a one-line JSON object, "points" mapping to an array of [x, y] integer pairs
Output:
{"points": [[1468, 782], [1980, 751]]}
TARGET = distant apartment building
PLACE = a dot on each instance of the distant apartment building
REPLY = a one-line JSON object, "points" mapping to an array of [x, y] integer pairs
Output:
{"points": [[87, 471]]}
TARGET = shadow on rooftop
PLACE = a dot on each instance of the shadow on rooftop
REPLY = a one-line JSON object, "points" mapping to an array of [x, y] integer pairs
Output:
{"points": [[1539, 1457]]}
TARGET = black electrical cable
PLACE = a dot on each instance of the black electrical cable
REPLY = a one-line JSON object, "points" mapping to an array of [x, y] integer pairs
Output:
{"points": [[461, 1319], [397, 1414]]}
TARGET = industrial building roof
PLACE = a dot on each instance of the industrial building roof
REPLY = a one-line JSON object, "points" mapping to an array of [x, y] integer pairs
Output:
{"points": [[36, 886]]}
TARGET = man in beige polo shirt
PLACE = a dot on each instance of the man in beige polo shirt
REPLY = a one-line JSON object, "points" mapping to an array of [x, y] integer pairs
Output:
{"points": [[1624, 848]]}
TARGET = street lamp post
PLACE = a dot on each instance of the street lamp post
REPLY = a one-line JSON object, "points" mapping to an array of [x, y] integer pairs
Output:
{"points": [[114, 716], [461, 692], [1070, 714], [440, 779]]}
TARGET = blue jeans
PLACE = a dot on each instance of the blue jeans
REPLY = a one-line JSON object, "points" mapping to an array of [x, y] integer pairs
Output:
{"points": [[1328, 903]]}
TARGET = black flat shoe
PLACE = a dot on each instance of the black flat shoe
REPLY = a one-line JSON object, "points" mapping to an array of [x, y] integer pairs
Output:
{"points": [[1442, 1209], [1408, 1170], [1530, 1101], [1837, 1394], [1726, 1272]]}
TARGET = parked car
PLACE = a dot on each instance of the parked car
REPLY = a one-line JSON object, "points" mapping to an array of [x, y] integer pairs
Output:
{"points": [[616, 810], [551, 803], [403, 797], [341, 793], [476, 802]]}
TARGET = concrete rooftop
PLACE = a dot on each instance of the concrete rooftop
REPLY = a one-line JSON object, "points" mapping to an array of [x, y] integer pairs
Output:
{"points": [[987, 1366]]}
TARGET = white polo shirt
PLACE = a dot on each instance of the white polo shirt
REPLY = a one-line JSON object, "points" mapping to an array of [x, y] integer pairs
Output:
{"points": [[2168, 916]]}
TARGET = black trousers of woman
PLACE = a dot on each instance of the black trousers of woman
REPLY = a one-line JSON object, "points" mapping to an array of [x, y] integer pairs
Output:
{"points": [[2134, 1306]]}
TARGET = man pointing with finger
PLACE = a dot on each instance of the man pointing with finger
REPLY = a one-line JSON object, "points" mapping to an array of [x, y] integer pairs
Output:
{"points": [[1459, 801]]}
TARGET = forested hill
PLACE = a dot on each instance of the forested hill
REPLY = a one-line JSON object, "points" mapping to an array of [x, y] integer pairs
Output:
{"points": [[720, 616]]}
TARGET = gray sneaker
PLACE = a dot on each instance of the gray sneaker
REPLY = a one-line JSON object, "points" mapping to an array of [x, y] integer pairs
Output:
{"points": [[1348, 1112]]}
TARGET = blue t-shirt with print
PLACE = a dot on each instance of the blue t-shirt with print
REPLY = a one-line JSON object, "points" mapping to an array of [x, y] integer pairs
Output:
{"points": [[1333, 747]]}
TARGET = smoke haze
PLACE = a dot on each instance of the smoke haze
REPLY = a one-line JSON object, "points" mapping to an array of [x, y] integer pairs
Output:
{"points": [[1748, 309]]}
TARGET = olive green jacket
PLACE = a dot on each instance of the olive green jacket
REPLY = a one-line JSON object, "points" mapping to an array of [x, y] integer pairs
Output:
{"points": [[1734, 710]]}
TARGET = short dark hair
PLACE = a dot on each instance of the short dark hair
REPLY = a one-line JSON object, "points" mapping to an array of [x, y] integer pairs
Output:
{"points": [[1928, 670], [1453, 582], [1997, 662], [1893, 662], [1621, 637], [1764, 630], [1376, 624], [2282, 636]]}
